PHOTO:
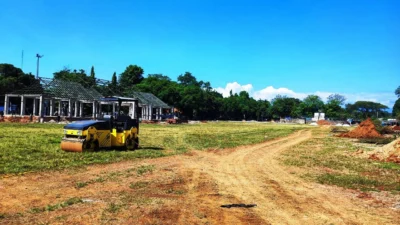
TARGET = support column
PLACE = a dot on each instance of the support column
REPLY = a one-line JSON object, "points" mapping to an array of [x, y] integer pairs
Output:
{"points": [[81, 109], [59, 107], [99, 110], [6, 104], [69, 108], [94, 110], [113, 106], [134, 116], [143, 112], [22, 105], [40, 105], [151, 112], [34, 107], [160, 113], [51, 107], [76, 109]]}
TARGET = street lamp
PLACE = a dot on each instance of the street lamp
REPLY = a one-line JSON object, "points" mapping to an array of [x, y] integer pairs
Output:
{"points": [[37, 66]]}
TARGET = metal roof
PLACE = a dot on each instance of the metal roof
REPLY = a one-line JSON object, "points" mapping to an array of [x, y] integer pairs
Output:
{"points": [[56, 88], [62, 89], [149, 99]]}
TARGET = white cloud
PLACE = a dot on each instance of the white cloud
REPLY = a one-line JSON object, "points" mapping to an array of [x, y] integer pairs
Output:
{"points": [[235, 87], [386, 98]]}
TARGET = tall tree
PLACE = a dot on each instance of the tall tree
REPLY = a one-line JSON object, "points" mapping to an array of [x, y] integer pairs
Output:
{"points": [[333, 109], [364, 109], [310, 105], [283, 106], [397, 92], [337, 99], [187, 79], [78, 76], [13, 78], [396, 109], [92, 78], [132, 75]]}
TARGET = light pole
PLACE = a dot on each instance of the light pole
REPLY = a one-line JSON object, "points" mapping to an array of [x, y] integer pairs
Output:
{"points": [[37, 66]]}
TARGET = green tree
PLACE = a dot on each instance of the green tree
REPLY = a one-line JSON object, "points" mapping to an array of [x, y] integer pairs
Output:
{"points": [[92, 78], [333, 109], [78, 76], [396, 108], [337, 99], [162, 87], [283, 106], [365, 109], [310, 105], [13, 78], [132, 75], [397, 92], [263, 110], [187, 79]]}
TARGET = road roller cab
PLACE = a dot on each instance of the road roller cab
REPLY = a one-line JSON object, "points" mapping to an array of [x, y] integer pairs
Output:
{"points": [[91, 135]]}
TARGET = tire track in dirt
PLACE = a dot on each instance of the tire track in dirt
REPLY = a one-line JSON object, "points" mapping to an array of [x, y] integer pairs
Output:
{"points": [[253, 175], [190, 188]]}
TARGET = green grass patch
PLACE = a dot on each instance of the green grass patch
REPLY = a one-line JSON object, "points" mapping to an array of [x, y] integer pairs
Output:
{"points": [[113, 207], [329, 160], [138, 185], [54, 207], [348, 181], [36, 147], [144, 169]]}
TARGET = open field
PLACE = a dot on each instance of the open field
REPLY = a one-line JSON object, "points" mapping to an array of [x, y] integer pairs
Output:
{"points": [[33, 147], [302, 177]]}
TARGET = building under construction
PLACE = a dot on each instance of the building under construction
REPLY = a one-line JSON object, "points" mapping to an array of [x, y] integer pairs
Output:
{"points": [[54, 99]]}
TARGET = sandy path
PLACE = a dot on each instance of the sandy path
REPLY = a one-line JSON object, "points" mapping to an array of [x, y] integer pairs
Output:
{"points": [[250, 175]]}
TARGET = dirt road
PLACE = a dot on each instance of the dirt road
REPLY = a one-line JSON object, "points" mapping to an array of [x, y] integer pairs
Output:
{"points": [[188, 189]]}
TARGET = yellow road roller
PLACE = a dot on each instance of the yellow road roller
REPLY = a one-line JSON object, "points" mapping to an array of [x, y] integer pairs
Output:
{"points": [[92, 135]]}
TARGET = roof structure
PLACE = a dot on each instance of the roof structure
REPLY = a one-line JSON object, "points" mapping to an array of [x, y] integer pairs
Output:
{"points": [[149, 99], [61, 89]]}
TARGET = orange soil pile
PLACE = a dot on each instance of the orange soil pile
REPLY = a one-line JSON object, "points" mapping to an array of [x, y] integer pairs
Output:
{"points": [[396, 128], [366, 129], [323, 122]]}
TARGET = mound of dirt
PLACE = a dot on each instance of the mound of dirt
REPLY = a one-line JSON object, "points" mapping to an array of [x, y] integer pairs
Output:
{"points": [[396, 128], [323, 122], [387, 153], [366, 129]]}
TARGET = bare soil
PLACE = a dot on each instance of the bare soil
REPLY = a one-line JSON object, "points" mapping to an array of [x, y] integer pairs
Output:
{"points": [[190, 189]]}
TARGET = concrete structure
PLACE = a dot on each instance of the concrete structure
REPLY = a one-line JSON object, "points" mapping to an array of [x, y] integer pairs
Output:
{"points": [[53, 98], [318, 116], [151, 107]]}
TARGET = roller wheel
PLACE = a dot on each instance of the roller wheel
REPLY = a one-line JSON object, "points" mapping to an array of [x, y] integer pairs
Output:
{"points": [[129, 143], [90, 146], [136, 145]]}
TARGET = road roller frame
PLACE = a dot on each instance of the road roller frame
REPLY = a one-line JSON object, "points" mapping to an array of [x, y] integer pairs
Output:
{"points": [[111, 133]]}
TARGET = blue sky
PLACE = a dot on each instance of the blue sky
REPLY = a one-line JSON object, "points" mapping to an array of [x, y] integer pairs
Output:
{"points": [[296, 47]]}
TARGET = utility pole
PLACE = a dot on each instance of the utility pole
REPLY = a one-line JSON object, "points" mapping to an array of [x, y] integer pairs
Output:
{"points": [[37, 66]]}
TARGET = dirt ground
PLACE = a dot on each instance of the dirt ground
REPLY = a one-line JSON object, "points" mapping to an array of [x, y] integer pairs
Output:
{"points": [[189, 189]]}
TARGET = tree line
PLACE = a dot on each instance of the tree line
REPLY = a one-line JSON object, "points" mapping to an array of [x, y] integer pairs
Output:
{"points": [[196, 99]]}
